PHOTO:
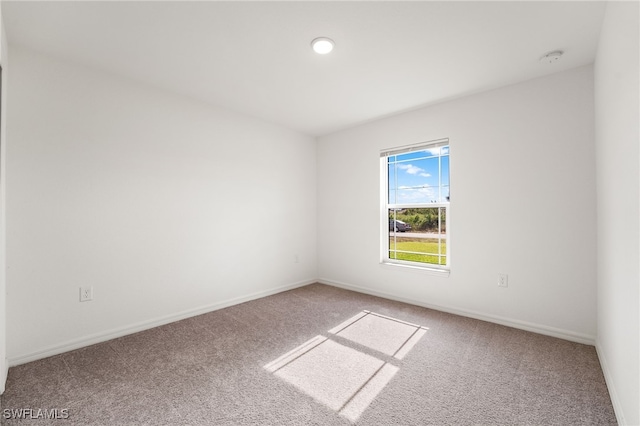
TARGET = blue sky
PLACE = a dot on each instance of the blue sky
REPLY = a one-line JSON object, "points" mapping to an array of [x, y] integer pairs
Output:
{"points": [[416, 177]]}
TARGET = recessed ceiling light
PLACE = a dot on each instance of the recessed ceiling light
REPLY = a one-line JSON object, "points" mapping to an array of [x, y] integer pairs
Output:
{"points": [[552, 57], [322, 45]]}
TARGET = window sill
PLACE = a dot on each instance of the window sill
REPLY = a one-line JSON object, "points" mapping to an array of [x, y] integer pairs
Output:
{"points": [[425, 269]]}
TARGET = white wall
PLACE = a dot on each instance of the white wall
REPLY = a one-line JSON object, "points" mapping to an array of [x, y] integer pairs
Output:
{"points": [[522, 203], [618, 162], [165, 206], [4, 56]]}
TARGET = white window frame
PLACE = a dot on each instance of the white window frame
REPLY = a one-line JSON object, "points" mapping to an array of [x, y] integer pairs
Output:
{"points": [[385, 206]]}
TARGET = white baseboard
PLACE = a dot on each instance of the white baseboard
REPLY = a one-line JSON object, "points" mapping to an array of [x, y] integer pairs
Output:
{"points": [[145, 325], [522, 325], [3, 376], [615, 401]]}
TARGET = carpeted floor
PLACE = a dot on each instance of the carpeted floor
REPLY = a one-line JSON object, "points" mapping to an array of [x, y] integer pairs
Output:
{"points": [[318, 355]]}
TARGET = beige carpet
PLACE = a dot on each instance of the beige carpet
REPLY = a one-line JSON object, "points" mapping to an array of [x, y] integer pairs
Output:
{"points": [[317, 355]]}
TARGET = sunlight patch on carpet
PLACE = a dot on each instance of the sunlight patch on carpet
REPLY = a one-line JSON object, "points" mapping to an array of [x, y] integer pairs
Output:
{"points": [[345, 379], [381, 333], [331, 373]]}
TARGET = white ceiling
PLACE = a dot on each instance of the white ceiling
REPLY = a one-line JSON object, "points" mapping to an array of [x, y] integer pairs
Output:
{"points": [[255, 57]]}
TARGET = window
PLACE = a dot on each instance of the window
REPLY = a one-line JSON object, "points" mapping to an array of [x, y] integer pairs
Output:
{"points": [[415, 205]]}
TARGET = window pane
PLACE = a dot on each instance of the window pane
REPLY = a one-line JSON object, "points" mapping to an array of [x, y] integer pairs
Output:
{"points": [[391, 181], [418, 235], [417, 180], [444, 170], [443, 221], [445, 194], [417, 154], [419, 177]]}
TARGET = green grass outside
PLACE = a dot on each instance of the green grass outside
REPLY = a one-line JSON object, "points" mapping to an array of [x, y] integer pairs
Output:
{"points": [[421, 246]]}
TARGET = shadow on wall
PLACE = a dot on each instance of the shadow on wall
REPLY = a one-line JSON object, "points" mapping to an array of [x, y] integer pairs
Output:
{"points": [[345, 379]]}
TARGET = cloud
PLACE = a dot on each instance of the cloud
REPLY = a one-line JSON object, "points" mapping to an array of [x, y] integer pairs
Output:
{"points": [[438, 151], [416, 194], [410, 168], [433, 151], [413, 170]]}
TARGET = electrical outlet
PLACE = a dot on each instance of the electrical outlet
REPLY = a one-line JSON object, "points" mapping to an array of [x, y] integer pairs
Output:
{"points": [[296, 258], [503, 280], [86, 294]]}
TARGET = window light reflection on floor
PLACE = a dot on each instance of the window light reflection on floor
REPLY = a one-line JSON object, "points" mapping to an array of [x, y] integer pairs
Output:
{"points": [[345, 379]]}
